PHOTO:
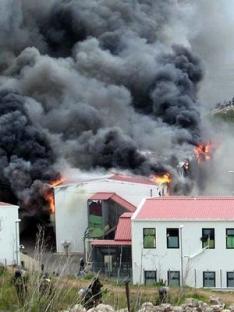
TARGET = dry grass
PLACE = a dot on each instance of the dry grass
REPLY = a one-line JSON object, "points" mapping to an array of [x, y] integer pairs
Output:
{"points": [[63, 292]]}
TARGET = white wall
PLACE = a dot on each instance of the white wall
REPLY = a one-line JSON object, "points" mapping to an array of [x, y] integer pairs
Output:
{"points": [[163, 259], [71, 215], [9, 234]]}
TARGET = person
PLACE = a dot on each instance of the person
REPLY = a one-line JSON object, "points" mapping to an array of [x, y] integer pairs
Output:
{"points": [[95, 287], [45, 287], [91, 296], [82, 265], [20, 283]]}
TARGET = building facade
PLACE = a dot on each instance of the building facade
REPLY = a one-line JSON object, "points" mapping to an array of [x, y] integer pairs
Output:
{"points": [[72, 200], [184, 241], [9, 234], [114, 257]]}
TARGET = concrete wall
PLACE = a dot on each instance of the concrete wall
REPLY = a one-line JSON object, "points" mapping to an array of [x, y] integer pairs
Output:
{"points": [[9, 235], [195, 259], [71, 215]]}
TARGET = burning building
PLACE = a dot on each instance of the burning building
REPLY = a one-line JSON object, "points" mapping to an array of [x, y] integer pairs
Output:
{"points": [[91, 208], [90, 86]]}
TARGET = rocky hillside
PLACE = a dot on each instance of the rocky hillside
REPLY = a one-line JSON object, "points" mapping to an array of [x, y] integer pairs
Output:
{"points": [[190, 305]]}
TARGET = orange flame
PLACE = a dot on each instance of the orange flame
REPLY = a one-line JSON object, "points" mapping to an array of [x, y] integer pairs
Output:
{"points": [[49, 194], [162, 179], [57, 181], [203, 152], [49, 197]]}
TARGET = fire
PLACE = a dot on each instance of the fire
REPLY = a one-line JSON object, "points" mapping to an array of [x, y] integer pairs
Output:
{"points": [[49, 194], [57, 181], [162, 179], [49, 197], [203, 152]]}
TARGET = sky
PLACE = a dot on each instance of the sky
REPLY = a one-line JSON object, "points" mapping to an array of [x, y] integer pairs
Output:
{"points": [[212, 38]]}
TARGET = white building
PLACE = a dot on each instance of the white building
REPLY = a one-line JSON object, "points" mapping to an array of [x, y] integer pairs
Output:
{"points": [[72, 199], [184, 240], [9, 234]]}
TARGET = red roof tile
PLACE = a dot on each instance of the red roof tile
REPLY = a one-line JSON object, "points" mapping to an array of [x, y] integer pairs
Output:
{"points": [[123, 202], [116, 198], [101, 196], [187, 208], [132, 179], [123, 231], [107, 242]]}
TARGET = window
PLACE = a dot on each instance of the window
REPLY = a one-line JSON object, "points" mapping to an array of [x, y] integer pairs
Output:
{"points": [[149, 238], [230, 279], [150, 277], [208, 238], [208, 279], [173, 278], [172, 238], [230, 238]]}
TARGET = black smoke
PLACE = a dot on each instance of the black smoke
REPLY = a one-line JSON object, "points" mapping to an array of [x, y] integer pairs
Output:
{"points": [[25, 154], [95, 84]]}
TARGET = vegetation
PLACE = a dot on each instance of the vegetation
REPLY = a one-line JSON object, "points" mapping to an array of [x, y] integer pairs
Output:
{"points": [[63, 294]]}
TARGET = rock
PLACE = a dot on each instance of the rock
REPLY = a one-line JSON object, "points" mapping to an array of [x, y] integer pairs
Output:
{"points": [[215, 300], [191, 302], [78, 308], [231, 308], [217, 307], [102, 308], [147, 307], [166, 307], [178, 309]]}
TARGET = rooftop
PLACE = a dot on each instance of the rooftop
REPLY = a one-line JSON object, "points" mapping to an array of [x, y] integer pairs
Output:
{"points": [[7, 204], [109, 242], [110, 178], [132, 179], [122, 234], [123, 231], [114, 197], [186, 208]]}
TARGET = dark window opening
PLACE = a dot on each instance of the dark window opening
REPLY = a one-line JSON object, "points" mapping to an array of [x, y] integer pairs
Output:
{"points": [[173, 278], [173, 238], [208, 238], [208, 279], [150, 277], [230, 279]]}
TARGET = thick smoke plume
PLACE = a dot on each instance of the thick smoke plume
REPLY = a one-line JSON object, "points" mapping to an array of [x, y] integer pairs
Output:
{"points": [[26, 157], [97, 84]]}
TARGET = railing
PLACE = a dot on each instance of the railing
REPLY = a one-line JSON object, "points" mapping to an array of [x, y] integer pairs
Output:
{"points": [[114, 269]]}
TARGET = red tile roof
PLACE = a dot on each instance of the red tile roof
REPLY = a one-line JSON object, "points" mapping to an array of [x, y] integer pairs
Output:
{"points": [[122, 234], [116, 198], [101, 196], [107, 242], [132, 179], [123, 231], [186, 208]]}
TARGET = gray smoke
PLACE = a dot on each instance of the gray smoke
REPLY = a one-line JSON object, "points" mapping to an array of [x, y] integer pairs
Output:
{"points": [[106, 84], [25, 154]]}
